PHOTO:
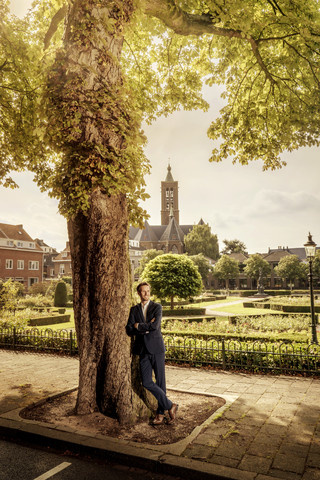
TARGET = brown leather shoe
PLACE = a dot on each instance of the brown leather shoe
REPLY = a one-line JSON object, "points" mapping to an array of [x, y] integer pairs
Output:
{"points": [[158, 420], [173, 413]]}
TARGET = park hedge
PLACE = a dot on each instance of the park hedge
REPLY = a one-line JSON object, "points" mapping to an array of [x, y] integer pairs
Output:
{"points": [[167, 312], [49, 320]]}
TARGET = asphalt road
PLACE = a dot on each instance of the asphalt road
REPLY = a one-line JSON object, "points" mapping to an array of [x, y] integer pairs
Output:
{"points": [[19, 462]]}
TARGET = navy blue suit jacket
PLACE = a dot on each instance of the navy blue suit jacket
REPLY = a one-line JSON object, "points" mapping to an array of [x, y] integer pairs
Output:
{"points": [[148, 334]]}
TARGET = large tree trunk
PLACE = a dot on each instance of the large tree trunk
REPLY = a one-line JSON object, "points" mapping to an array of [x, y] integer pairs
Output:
{"points": [[89, 122], [101, 282]]}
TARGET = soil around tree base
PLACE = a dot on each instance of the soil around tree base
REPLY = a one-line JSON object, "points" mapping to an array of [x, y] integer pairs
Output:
{"points": [[193, 410]]}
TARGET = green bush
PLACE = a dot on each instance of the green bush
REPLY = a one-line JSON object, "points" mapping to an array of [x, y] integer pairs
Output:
{"points": [[31, 301], [60, 294]]}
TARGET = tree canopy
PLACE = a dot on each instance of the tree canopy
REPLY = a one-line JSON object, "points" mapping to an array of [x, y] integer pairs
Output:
{"points": [[291, 267], [201, 240], [256, 267], [202, 264], [226, 268], [233, 246], [171, 275]]}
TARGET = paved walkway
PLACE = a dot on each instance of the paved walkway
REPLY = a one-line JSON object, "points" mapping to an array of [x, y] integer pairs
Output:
{"points": [[270, 429]]}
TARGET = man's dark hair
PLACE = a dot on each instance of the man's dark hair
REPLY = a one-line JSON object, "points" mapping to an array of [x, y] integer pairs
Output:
{"points": [[142, 284]]}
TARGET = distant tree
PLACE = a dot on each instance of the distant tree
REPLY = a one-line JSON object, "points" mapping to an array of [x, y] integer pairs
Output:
{"points": [[201, 240], [60, 294], [316, 265], [234, 246], [256, 267], [172, 275], [226, 268], [145, 259], [203, 265], [290, 267], [9, 293], [38, 288]]}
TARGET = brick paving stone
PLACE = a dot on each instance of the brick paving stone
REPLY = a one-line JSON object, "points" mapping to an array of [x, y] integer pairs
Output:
{"points": [[254, 463], [264, 439], [311, 474], [313, 460], [293, 448], [230, 449], [271, 429], [281, 421], [289, 462], [285, 475], [255, 419], [199, 452], [227, 461], [262, 449]]}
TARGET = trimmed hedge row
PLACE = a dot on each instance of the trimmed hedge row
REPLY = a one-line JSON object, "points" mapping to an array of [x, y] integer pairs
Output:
{"points": [[50, 320], [297, 338], [166, 312]]}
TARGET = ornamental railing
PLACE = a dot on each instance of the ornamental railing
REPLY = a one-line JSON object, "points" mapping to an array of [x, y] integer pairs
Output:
{"points": [[253, 356]]}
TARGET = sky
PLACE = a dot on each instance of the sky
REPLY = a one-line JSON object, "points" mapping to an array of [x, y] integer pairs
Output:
{"points": [[263, 209]]}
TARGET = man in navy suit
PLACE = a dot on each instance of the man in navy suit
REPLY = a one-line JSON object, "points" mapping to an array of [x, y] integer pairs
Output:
{"points": [[144, 323]]}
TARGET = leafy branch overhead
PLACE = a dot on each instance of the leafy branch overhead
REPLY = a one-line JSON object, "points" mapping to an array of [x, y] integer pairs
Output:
{"points": [[61, 111]]}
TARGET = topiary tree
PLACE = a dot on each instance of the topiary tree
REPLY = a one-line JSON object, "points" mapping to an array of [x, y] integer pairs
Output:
{"points": [[60, 294], [172, 275]]}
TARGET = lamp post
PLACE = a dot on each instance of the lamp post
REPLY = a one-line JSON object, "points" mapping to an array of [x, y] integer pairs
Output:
{"points": [[310, 248]]}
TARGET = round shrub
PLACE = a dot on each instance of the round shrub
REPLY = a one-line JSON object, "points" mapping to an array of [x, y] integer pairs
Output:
{"points": [[60, 294]]}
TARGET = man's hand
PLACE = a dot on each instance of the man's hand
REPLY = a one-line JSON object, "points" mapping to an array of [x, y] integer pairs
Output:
{"points": [[153, 320], [136, 325]]}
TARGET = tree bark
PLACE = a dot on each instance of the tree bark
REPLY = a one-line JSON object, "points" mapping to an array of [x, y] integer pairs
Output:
{"points": [[108, 379], [89, 117]]}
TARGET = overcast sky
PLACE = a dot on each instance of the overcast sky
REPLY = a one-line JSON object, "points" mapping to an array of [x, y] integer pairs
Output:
{"points": [[262, 209]]}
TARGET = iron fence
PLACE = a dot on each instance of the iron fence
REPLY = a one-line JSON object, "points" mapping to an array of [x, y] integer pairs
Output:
{"points": [[252, 356], [38, 339]]}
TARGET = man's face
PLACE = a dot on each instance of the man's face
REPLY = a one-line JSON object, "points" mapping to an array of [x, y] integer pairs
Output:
{"points": [[144, 293]]}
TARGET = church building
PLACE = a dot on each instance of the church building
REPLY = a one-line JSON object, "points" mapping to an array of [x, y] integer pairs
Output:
{"points": [[169, 236]]}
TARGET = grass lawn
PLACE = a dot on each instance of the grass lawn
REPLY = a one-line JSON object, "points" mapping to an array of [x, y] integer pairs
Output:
{"points": [[214, 302]]}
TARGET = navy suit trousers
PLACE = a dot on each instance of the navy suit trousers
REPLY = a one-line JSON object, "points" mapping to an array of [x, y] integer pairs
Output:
{"points": [[155, 362]]}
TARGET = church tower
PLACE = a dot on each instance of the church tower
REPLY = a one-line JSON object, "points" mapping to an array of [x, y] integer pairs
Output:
{"points": [[169, 199]]}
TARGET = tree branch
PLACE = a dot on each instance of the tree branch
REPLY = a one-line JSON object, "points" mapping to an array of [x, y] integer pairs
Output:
{"points": [[185, 23], [56, 19]]}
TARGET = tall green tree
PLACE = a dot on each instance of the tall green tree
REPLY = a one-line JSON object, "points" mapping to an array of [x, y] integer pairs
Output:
{"points": [[226, 268], [202, 264], [201, 240], [291, 268], [77, 78], [172, 275], [233, 246], [256, 267]]}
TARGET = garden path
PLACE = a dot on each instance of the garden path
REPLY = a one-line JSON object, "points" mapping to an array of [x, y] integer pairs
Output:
{"points": [[212, 309]]}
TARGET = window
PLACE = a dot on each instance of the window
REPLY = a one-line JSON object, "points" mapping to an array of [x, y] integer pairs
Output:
{"points": [[32, 245], [64, 254], [19, 279], [52, 272], [167, 192], [32, 280], [10, 243], [19, 244], [61, 269], [9, 264], [20, 264], [167, 206], [33, 265], [171, 193]]}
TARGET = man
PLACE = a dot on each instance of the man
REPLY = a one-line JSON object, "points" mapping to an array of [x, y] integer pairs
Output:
{"points": [[144, 323]]}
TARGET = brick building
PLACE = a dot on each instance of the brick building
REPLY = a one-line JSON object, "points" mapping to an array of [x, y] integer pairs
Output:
{"points": [[49, 254], [62, 263], [21, 258]]}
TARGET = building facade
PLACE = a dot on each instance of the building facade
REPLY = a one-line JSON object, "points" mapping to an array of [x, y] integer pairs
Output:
{"points": [[21, 258], [62, 263]]}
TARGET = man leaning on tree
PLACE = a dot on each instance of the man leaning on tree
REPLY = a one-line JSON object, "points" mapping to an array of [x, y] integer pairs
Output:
{"points": [[144, 324]]}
